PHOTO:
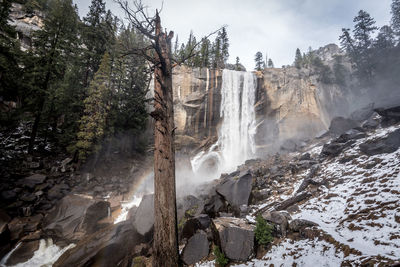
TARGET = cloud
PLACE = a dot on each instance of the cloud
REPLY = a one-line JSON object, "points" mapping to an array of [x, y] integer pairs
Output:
{"points": [[277, 27]]}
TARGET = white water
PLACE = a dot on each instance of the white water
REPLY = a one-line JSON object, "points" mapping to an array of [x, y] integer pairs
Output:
{"points": [[46, 255], [236, 135]]}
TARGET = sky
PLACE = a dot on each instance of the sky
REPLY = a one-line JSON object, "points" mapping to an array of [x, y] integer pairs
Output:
{"points": [[274, 27]]}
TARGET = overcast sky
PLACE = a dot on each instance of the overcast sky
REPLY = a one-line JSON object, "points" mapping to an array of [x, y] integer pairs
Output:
{"points": [[276, 27]]}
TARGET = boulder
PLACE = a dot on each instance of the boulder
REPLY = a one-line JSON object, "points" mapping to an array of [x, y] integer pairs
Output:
{"points": [[388, 144], [213, 205], [5, 236], [340, 125], [196, 249], [189, 206], [373, 121], [23, 252], [236, 190], [65, 221], [33, 180], [235, 237], [94, 214], [278, 218], [363, 113], [298, 224], [352, 134], [57, 191], [144, 217], [389, 115], [20, 226], [200, 222], [107, 247], [260, 195]]}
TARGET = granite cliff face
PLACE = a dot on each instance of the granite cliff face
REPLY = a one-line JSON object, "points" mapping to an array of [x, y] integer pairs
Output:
{"points": [[290, 104]]}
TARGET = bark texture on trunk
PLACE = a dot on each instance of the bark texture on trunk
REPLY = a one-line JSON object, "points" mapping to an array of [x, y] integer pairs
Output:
{"points": [[165, 226]]}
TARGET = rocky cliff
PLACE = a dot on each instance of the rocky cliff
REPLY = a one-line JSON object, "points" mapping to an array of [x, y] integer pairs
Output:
{"points": [[290, 104]]}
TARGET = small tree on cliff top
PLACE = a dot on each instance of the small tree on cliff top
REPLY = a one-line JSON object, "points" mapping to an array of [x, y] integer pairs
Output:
{"points": [[158, 53]]}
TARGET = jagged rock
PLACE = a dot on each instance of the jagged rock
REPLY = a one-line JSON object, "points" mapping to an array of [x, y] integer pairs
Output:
{"points": [[373, 121], [352, 134], [236, 190], [298, 224], [23, 253], [106, 247], [340, 125], [387, 144], [213, 205], [33, 180], [144, 216], [389, 115], [235, 237], [189, 206], [200, 222], [196, 249], [334, 148], [305, 156], [278, 218]]}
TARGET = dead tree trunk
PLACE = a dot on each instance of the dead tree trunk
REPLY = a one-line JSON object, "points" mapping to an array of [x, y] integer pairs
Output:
{"points": [[165, 220]]}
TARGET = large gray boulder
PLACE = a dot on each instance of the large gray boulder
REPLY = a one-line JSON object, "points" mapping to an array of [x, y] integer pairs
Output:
{"points": [[341, 125], [388, 144], [236, 190], [196, 249], [144, 216], [235, 237], [107, 247], [73, 217], [200, 222], [278, 218], [33, 180]]}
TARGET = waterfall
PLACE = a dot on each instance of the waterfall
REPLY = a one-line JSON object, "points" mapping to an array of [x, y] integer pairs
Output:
{"points": [[236, 134]]}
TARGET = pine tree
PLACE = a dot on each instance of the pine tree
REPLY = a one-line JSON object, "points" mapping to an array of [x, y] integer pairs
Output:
{"points": [[270, 63], [259, 61], [237, 64], [385, 38], [54, 46], [224, 45], [298, 60], [10, 56], [93, 122], [395, 20], [97, 36], [363, 29], [205, 53]]}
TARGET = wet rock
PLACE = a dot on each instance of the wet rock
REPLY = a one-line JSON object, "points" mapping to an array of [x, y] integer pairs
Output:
{"points": [[144, 216], [305, 156], [333, 149], [213, 205], [20, 226], [5, 235], [297, 225], [388, 144], [106, 247], [340, 125], [24, 252], [33, 180], [278, 218], [196, 249], [352, 134], [65, 220], [200, 222], [236, 190], [57, 191], [94, 214], [235, 237]]}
